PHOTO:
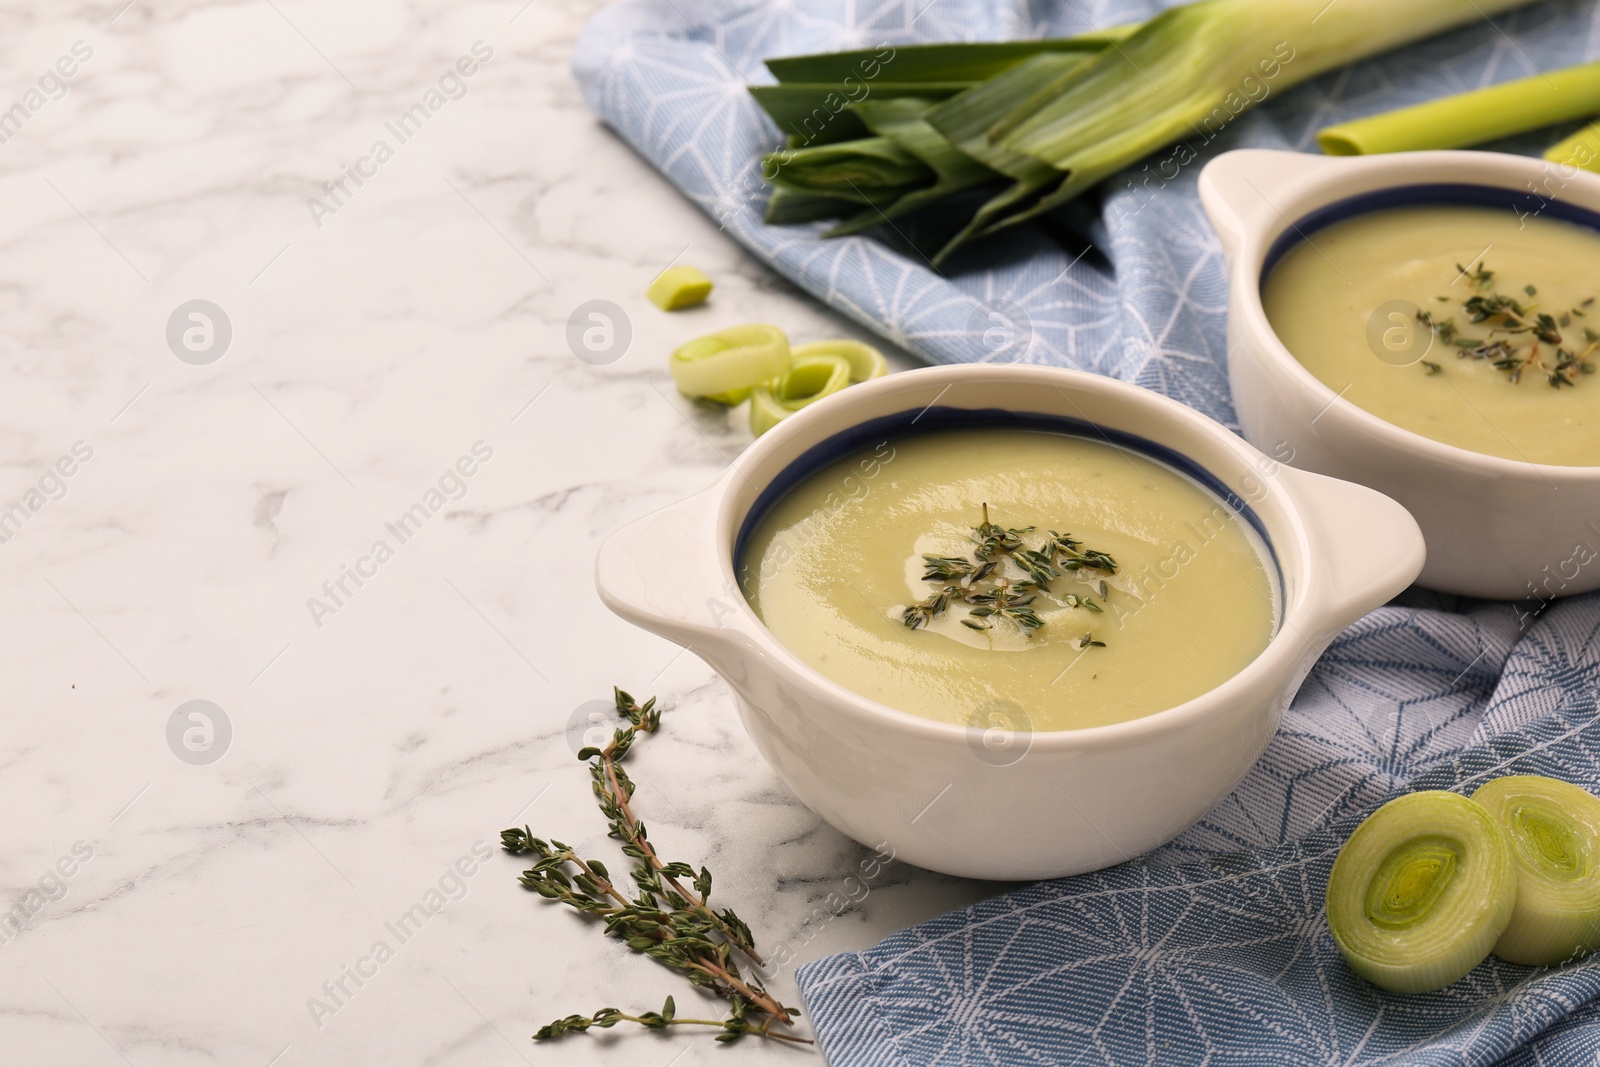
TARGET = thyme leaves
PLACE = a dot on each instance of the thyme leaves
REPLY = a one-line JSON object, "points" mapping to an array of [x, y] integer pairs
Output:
{"points": [[1513, 333], [981, 584]]}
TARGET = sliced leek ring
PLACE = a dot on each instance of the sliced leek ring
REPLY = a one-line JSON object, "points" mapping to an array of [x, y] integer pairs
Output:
{"points": [[1421, 891], [865, 361], [729, 360], [732, 399], [807, 381], [1554, 830]]}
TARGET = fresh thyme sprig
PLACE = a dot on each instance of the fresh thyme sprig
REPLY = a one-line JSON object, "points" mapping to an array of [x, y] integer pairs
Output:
{"points": [[979, 581], [671, 923], [1507, 316], [733, 1028]]}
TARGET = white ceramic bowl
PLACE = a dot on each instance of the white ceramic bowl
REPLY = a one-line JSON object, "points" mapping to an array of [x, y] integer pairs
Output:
{"points": [[1495, 527], [975, 801]]}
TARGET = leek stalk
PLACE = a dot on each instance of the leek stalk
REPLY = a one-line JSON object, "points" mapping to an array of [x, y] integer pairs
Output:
{"points": [[1472, 118], [1057, 121], [1421, 891], [1554, 830], [1581, 150]]}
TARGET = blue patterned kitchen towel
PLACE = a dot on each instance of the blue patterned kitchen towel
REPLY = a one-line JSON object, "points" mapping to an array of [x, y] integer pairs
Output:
{"points": [[1214, 949]]}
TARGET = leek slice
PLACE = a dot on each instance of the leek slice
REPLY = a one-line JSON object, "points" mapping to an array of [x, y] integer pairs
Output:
{"points": [[806, 382], [865, 361], [1554, 829], [679, 287], [728, 360], [1581, 150], [1472, 118], [1421, 891]]}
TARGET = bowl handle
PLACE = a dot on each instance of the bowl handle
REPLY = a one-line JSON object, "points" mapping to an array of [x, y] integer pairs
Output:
{"points": [[1364, 547], [663, 573], [1239, 187]]}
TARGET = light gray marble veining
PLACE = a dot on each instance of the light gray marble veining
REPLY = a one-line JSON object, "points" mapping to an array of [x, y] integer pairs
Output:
{"points": [[386, 335]]}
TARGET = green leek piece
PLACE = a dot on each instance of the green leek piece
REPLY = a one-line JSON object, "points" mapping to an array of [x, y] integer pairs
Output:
{"points": [[865, 361], [949, 138], [806, 382], [679, 287], [1421, 891], [728, 360], [966, 121], [1581, 150], [901, 121], [818, 113], [971, 61], [1472, 118], [1554, 829], [786, 207], [870, 171], [807, 102]]}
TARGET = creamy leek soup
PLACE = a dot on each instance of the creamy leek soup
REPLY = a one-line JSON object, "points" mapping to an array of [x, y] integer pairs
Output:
{"points": [[1012, 576], [1504, 305]]}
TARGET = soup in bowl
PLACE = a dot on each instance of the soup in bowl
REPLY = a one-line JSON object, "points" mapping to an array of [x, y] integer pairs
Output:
{"points": [[1010, 622], [1425, 324]]}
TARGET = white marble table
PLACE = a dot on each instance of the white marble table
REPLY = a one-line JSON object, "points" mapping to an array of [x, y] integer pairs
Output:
{"points": [[176, 521]]}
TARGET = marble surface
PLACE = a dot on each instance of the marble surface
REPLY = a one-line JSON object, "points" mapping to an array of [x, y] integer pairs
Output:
{"points": [[178, 529]]}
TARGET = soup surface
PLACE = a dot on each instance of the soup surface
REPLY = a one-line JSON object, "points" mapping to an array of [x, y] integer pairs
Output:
{"points": [[1345, 303], [837, 566]]}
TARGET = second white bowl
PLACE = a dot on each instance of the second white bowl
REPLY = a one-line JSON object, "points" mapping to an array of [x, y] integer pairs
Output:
{"points": [[1494, 527]]}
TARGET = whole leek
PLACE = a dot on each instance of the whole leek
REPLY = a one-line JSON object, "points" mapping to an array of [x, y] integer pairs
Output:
{"points": [[1183, 75]]}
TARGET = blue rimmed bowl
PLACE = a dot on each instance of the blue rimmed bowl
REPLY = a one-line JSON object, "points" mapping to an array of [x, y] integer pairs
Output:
{"points": [[1495, 527], [978, 800]]}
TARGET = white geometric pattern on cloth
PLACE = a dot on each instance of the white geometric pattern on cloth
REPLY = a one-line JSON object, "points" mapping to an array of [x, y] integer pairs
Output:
{"points": [[1212, 950]]}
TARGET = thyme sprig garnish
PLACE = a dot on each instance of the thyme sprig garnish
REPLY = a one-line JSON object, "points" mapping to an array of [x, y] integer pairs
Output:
{"points": [[670, 922], [981, 582], [1508, 317]]}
